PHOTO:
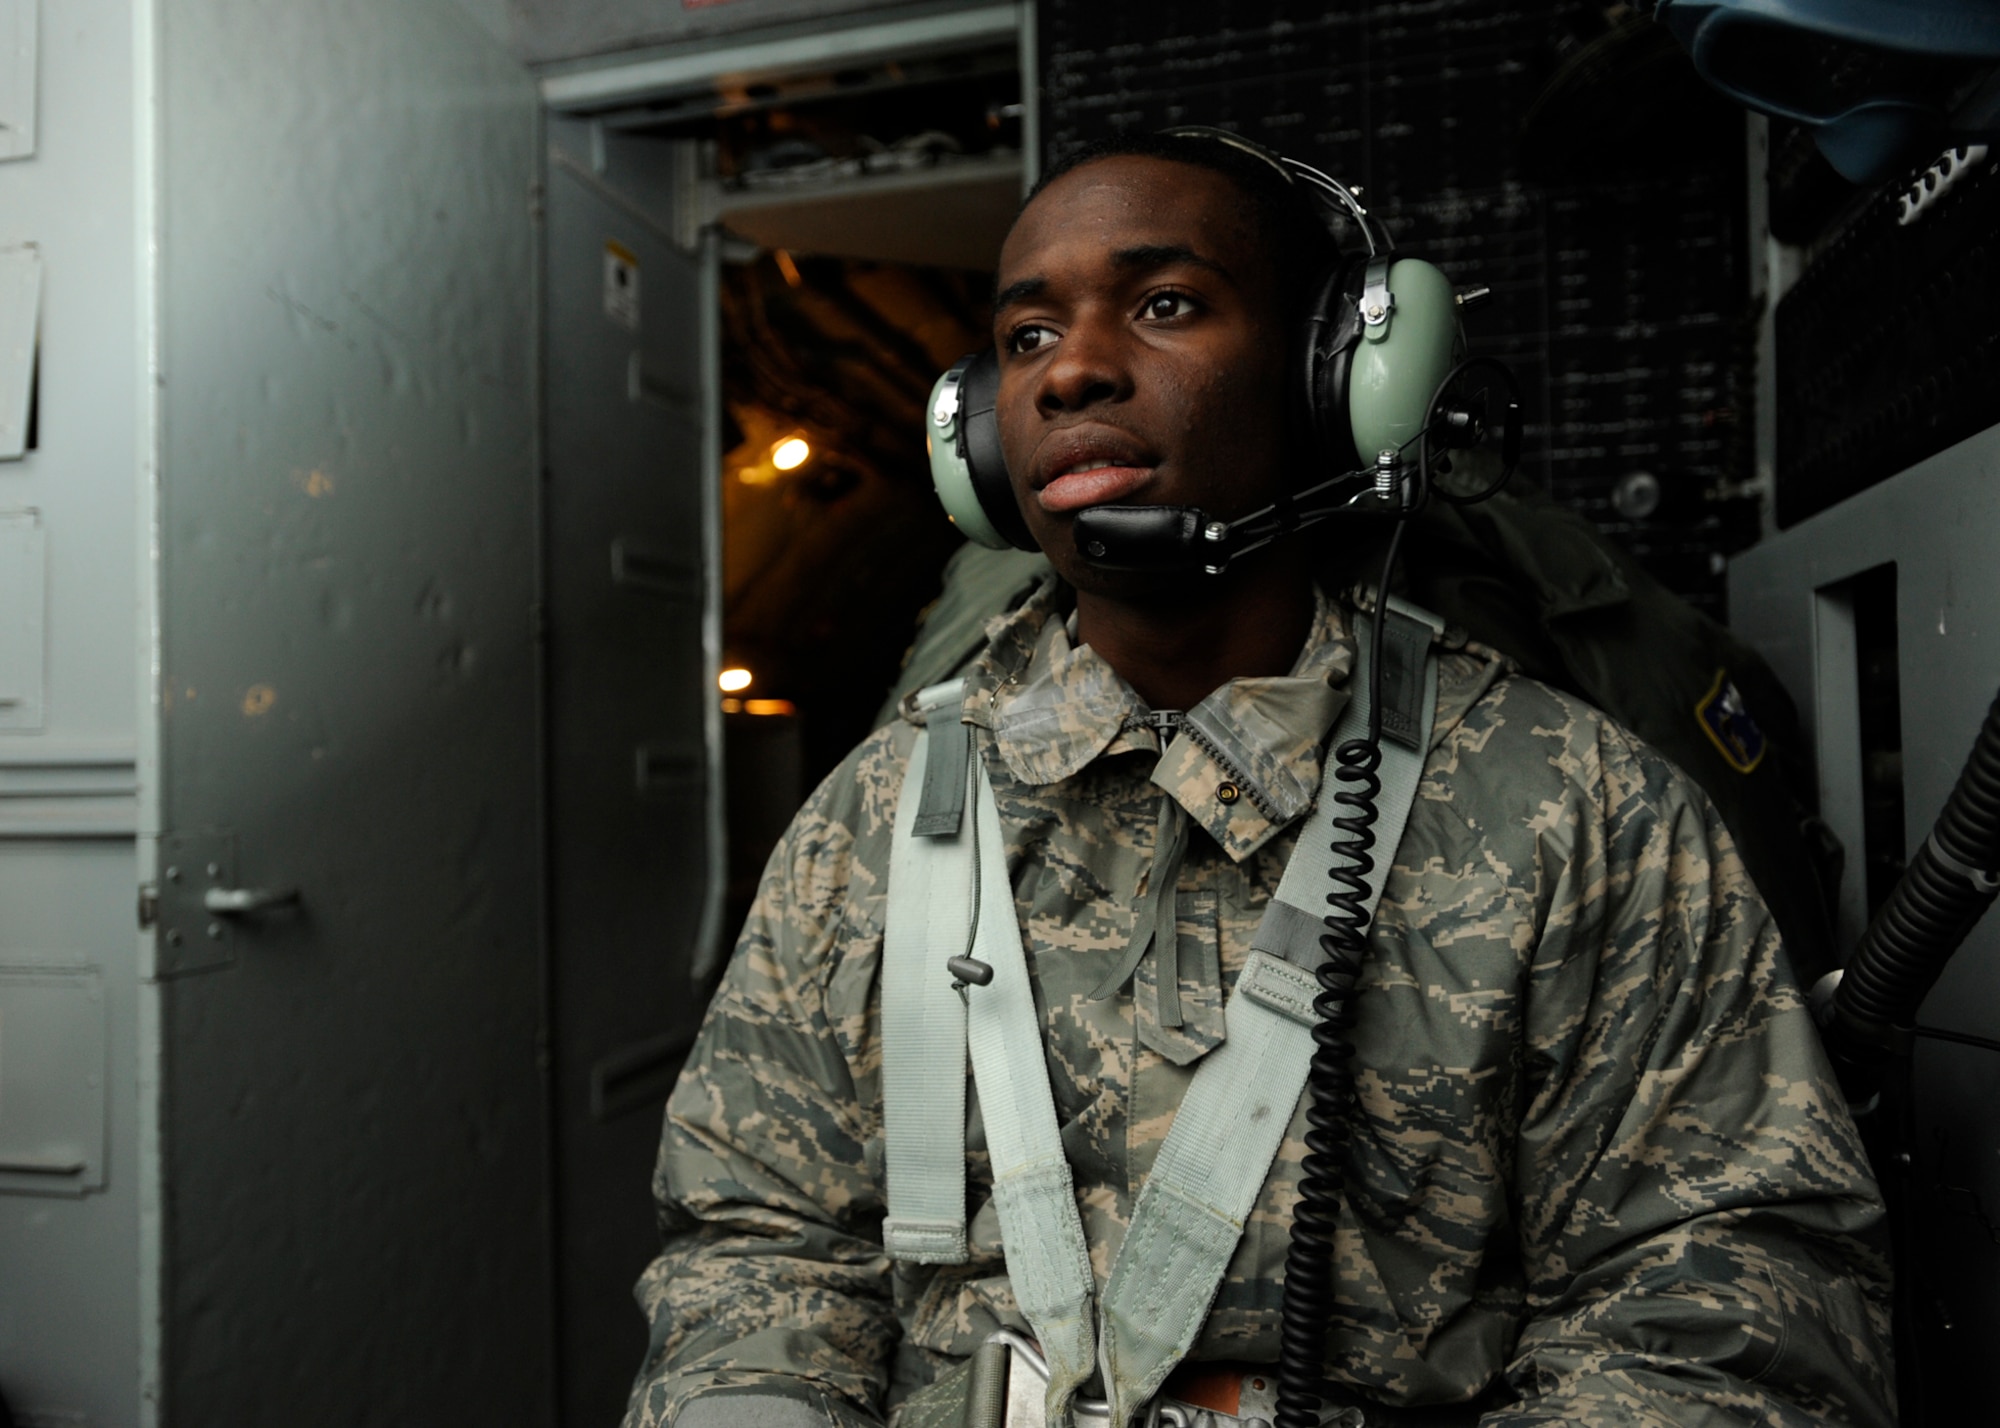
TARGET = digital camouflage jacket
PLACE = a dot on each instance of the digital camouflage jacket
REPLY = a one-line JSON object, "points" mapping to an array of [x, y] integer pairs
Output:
{"points": [[1598, 1173]]}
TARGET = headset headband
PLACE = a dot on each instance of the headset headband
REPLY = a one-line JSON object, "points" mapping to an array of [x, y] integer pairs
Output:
{"points": [[1329, 190]]}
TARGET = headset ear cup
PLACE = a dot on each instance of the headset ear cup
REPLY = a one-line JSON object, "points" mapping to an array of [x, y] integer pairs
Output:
{"points": [[979, 445], [1395, 370], [1332, 327], [950, 477]]}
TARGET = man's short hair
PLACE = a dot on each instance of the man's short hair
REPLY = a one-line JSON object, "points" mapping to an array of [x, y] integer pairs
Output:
{"points": [[1288, 220]]}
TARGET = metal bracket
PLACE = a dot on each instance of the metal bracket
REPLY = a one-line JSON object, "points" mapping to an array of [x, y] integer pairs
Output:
{"points": [[190, 937], [1983, 882], [1377, 302], [945, 410]]}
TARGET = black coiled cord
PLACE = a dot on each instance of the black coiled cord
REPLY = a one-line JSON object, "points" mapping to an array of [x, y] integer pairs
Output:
{"points": [[1933, 906], [1309, 1280]]}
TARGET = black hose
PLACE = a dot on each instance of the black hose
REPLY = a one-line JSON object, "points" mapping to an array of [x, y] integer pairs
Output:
{"points": [[1309, 1282], [1941, 896]]}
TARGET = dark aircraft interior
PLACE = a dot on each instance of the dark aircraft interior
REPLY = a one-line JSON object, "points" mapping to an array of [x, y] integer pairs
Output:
{"points": [[464, 482]]}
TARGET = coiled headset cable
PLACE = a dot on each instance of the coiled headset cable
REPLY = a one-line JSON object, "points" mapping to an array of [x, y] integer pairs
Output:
{"points": [[1309, 1294], [1309, 1280]]}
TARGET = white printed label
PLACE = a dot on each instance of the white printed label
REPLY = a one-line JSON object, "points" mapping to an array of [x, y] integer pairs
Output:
{"points": [[621, 285]]}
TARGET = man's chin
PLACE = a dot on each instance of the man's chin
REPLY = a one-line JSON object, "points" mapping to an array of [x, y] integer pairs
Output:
{"points": [[1152, 588], [1186, 587]]}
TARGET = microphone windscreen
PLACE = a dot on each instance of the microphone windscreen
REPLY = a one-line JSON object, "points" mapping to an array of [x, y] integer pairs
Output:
{"points": [[1140, 537]]}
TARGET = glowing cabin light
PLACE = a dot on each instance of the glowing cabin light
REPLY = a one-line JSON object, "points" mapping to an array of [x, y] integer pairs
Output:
{"points": [[734, 681], [791, 453]]}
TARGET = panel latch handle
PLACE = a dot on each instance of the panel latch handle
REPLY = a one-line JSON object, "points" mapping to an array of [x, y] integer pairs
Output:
{"points": [[246, 902]]}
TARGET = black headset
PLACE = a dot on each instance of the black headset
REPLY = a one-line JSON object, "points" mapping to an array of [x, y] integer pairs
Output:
{"points": [[1379, 343]]}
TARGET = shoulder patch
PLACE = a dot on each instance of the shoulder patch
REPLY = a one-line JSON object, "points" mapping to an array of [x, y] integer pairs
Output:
{"points": [[1727, 722]]}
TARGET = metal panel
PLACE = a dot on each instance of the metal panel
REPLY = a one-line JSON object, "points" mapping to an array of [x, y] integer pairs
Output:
{"points": [[69, 1323], [558, 31], [352, 1121], [68, 791], [24, 580], [1939, 523], [1836, 673], [18, 71], [953, 216], [20, 329], [1029, 47], [629, 504], [69, 1296], [52, 1091]]}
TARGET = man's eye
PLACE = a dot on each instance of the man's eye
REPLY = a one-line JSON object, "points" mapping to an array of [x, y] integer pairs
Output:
{"points": [[1028, 338], [1161, 306]]}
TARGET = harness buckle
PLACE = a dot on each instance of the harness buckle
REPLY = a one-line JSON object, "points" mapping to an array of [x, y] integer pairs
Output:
{"points": [[1024, 1402], [1027, 1397]]}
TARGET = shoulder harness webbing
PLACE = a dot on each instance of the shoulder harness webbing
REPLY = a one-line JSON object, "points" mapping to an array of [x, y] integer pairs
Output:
{"points": [[1233, 1119]]}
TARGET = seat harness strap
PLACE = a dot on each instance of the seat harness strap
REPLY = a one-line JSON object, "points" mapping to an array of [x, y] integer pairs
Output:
{"points": [[1048, 1259], [1231, 1123], [943, 879], [923, 1021]]}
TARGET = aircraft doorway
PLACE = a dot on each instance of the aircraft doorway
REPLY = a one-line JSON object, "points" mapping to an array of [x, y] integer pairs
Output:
{"points": [[863, 225], [832, 538], [752, 285]]}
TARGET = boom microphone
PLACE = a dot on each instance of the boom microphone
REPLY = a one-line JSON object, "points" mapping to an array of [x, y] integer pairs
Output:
{"points": [[1164, 539]]}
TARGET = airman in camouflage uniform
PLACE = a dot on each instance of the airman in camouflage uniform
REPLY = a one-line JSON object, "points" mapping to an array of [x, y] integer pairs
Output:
{"points": [[1598, 1171]]}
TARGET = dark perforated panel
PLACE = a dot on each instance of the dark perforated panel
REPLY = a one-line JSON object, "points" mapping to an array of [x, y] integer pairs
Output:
{"points": [[1620, 290], [1889, 347]]}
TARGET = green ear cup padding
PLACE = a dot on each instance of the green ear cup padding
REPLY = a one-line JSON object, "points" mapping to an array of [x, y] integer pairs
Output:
{"points": [[951, 477], [1396, 366]]}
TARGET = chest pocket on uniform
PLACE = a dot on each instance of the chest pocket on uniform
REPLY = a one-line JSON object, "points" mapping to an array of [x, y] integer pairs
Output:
{"points": [[1198, 941]]}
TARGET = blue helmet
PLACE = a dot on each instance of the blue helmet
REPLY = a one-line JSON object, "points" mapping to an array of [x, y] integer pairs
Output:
{"points": [[1877, 80]]}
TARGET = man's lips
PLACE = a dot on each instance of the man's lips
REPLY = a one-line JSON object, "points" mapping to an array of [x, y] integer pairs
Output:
{"points": [[1090, 465], [1073, 490]]}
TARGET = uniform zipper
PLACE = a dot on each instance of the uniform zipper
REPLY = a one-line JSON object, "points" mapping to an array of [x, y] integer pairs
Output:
{"points": [[1168, 722]]}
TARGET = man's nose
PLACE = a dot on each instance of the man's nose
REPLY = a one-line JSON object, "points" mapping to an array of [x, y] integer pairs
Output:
{"points": [[1089, 366]]}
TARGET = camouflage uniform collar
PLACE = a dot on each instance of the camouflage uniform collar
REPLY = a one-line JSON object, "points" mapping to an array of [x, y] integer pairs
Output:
{"points": [[1244, 763], [1053, 705]]}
